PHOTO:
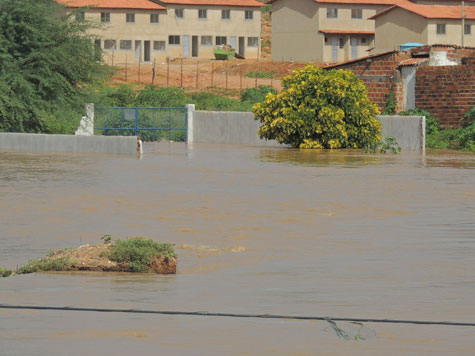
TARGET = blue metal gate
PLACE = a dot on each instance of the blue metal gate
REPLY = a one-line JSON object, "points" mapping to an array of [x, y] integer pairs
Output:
{"points": [[150, 123]]}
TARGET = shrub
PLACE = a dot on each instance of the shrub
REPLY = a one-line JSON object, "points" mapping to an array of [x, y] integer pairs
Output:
{"points": [[5, 272], [255, 95], [320, 109], [263, 74], [47, 264], [138, 253], [467, 131]]}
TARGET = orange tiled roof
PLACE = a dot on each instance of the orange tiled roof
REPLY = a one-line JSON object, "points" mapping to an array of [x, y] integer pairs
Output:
{"points": [[244, 3], [432, 11], [114, 4], [362, 2], [351, 32], [412, 61]]}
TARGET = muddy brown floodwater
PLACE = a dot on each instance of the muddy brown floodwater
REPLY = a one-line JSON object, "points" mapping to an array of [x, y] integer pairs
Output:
{"points": [[263, 231]]}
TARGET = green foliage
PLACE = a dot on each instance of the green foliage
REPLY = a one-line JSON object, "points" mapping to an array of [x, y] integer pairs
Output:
{"points": [[467, 131], [263, 74], [255, 95], [390, 104], [5, 272], [212, 102], [320, 109], [47, 264], [46, 61], [388, 144], [266, 9], [107, 238], [138, 253], [432, 123], [462, 138]]}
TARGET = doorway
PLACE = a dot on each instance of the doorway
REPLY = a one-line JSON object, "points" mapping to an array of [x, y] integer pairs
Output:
{"points": [[242, 46], [194, 46], [146, 51]]}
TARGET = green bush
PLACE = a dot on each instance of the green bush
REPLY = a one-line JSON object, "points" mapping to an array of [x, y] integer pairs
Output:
{"points": [[138, 253], [467, 131], [320, 109], [47, 264], [5, 272], [262, 74], [255, 95]]}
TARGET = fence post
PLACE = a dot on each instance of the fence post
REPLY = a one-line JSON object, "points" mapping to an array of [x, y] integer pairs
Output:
{"points": [[137, 121], [197, 72], [226, 76], [181, 72], [153, 70], [212, 73], [240, 78], [168, 71], [190, 108], [125, 75]]}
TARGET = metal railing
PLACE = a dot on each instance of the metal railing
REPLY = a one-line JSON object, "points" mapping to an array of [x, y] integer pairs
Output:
{"points": [[150, 123]]}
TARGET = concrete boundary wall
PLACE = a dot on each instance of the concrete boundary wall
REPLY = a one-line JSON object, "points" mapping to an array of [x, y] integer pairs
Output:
{"points": [[409, 131], [240, 128], [68, 143], [225, 127]]}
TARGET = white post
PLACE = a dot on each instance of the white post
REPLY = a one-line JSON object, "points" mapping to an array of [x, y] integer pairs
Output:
{"points": [[190, 109]]}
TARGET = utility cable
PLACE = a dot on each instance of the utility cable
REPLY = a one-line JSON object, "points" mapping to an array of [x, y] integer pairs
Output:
{"points": [[237, 315]]}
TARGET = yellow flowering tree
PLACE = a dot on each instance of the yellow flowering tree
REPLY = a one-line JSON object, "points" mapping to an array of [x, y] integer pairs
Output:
{"points": [[320, 109]]}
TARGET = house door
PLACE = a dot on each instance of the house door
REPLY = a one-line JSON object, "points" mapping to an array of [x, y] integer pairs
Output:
{"points": [[138, 50], [232, 42], [354, 48], [334, 49], [186, 46], [146, 51], [194, 46], [242, 46]]}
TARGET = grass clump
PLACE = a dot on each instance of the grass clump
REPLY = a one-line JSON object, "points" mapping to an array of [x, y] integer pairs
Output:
{"points": [[47, 264], [138, 253], [5, 272], [263, 74]]}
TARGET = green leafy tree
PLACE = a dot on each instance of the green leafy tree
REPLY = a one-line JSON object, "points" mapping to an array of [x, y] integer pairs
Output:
{"points": [[320, 109], [47, 60]]}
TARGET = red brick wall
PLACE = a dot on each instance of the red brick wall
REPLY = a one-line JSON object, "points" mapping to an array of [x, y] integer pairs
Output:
{"points": [[447, 92], [381, 76]]}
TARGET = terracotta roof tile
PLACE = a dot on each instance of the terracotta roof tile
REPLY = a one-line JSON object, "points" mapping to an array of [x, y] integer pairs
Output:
{"points": [[412, 61], [114, 4], [347, 32], [244, 3], [334, 65], [432, 11], [362, 2]]}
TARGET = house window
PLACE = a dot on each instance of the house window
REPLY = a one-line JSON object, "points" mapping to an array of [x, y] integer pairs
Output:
{"points": [[125, 44], [356, 13], [341, 43], [158, 45], [179, 13], [154, 18], [467, 29], [174, 39], [220, 40], [364, 40], [332, 13], [130, 17], [252, 41], [249, 14], [206, 40], [226, 14], [109, 44], [326, 39], [441, 28], [105, 17], [202, 14], [80, 16]]}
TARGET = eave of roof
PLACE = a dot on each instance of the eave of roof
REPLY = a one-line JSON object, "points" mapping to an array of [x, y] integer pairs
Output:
{"points": [[240, 3], [359, 59], [113, 4], [362, 2], [431, 11], [351, 32]]}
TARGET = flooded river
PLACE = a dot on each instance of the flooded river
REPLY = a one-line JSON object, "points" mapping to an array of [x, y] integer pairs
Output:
{"points": [[258, 230]]}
